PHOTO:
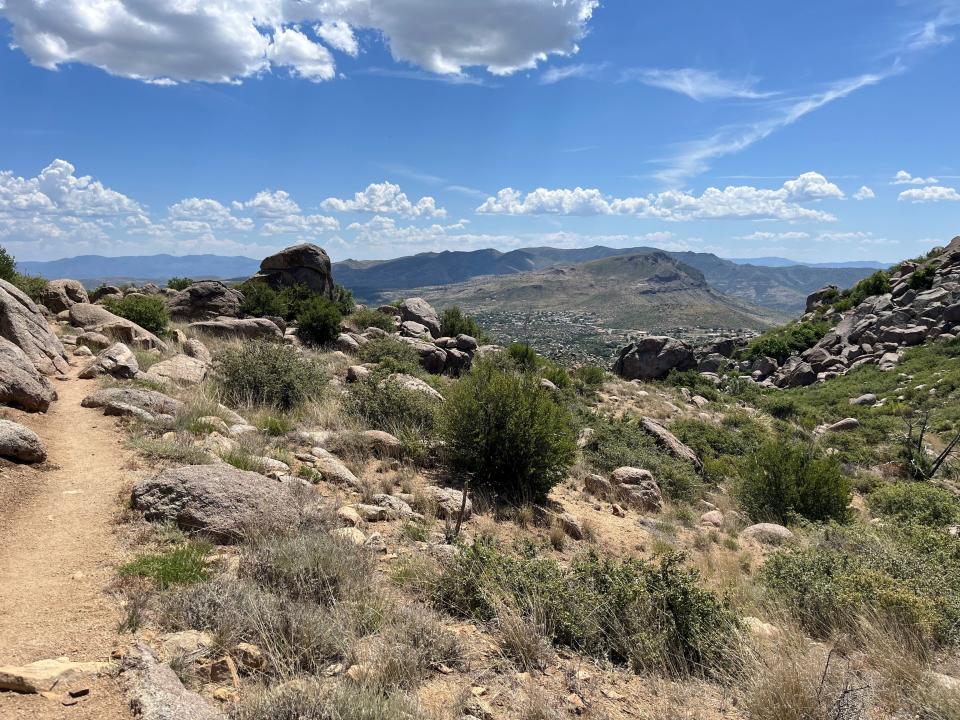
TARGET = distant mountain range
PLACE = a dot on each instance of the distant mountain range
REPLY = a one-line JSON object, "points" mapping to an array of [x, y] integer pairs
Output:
{"points": [[774, 283], [785, 262], [142, 268]]}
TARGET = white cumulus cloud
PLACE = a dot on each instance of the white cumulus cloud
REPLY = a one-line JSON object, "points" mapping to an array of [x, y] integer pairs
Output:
{"points": [[742, 201], [904, 178], [864, 193], [385, 198], [167, 41], [930, 193]]}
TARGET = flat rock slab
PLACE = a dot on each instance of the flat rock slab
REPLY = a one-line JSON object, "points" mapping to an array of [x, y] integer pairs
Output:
{"points": [[46, 675], [150, 400]]}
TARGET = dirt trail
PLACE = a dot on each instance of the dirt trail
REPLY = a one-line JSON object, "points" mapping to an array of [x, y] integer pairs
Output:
{"points": [[59, 551]]}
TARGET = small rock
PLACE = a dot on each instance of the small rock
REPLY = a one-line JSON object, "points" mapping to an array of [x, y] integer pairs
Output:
{"points": [[350, 535], [714, 518], [768, 533]]}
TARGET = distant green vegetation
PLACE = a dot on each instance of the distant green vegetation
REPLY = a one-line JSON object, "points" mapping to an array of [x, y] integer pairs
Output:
{"points": [[32, 286]]}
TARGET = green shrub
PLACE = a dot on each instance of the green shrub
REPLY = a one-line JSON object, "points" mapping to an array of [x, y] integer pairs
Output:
{"points": [[876, 284], [782, 342], [8, 265], [523, 356], [181, 565], [343, 299], [393, 356], [907, 575], [922, 278], [362, 319], [619, 442], [31, 285], [694, 382], [780, 406], [263, 373], [180, 283], [650, 617], [782, 478], [589, 376], [384, 405], [453, 322], [148, 312], [318, 321], [917, 502], [275, 425], [260, 300], [507, 433]]}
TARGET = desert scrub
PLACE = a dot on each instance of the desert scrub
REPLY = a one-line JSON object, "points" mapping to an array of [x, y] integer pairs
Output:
{"points": [[506, 433], [318, 321], [783, 478], [453, 322], [391, 355], [273, 375], [365, 318], [310, 699], [148, 312], [782, 342], [181, 565], [619, 442], [647, 616], [918, 502], [905, 575], [182, 451], [721, 446], [384, 405]]}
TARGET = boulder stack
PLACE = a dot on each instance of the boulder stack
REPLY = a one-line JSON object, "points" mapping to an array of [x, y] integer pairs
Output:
{"points": [[305, 264]]}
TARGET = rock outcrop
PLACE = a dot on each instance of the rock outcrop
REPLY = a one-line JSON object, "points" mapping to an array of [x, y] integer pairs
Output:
{"points": [[218, 501], [305, 264], [181, 369], [21, 384], [23, 324], [20, 444], [419, 311], [117, 361], [60, 295], [205, 300], [94, 318], [653, 357], [150, 400], [246, 328]]}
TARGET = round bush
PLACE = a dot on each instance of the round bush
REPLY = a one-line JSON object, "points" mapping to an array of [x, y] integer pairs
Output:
{"points": [[365, 318], [507, 433], [783, 478], [916, 501], [318, 322], [150, 313], [179, 283], [262, 373]]}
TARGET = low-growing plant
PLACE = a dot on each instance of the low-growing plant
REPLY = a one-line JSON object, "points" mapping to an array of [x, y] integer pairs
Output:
{"points": [[645, 615], [263, 373], [386, 405], [147, 311], [922, 278], [275, 425], [243, 459], [589, 376], [907, 575], [180, 565], [179, 283], [393, 356], [175, 450], [783, 477], [318, 321], [782, 342], [367, 317], [506, 433], [453, 322], [918, 502]]}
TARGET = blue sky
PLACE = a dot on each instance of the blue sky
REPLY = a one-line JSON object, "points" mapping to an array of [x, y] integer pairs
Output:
{"points": [[379, 128]]}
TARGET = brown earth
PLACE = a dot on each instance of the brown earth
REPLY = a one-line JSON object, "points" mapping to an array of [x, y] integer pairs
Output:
{"points": [[59, 549]]}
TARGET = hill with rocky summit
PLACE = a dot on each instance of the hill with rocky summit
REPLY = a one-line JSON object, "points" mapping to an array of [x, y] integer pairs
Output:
{"points": [[648, 290]]}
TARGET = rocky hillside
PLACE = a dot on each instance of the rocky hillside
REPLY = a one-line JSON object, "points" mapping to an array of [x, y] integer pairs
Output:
{"points": [[647, 290]]}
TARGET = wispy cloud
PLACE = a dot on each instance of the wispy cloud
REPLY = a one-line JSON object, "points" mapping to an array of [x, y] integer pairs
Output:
{"points": [[447, 79], [700, 85], [694, 158], [553, 75]]}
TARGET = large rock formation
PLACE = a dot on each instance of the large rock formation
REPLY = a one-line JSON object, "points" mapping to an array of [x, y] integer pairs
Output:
{"points": [[205, 300], [305, 264], [59, 295], [219, 501], [22, 323], [418, 310], [653, 357], [21, 384], [95, 318]]}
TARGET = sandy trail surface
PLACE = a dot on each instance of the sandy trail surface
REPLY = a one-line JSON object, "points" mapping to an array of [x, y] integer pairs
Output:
{"points": [[59, 550]]}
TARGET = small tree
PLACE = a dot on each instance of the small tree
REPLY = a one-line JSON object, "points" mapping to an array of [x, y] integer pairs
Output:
{"points": [[318, 322], [8, 266], [453, 322], [507, 433]]}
